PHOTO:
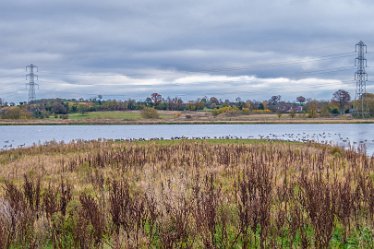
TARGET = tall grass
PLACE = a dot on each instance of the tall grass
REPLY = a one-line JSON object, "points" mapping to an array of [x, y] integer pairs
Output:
{"points": [[187, 194]]}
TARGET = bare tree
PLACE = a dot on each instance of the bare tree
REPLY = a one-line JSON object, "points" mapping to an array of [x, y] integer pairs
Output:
{"points": [[341, 97], [274, 100], [156, 98]]}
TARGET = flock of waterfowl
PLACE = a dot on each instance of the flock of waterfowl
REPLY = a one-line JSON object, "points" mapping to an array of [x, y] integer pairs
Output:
{"points": [[323, 138]]}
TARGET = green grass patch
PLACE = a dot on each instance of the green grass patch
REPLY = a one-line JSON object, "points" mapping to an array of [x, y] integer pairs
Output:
{"points": [[117, 115], [106, 115]]}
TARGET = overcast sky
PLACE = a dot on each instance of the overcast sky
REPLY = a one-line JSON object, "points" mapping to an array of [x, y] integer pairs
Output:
{"points": [[121, 49]]}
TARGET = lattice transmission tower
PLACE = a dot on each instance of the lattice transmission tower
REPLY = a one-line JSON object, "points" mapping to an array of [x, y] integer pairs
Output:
{"points": [[31, 85], [361, 77]]}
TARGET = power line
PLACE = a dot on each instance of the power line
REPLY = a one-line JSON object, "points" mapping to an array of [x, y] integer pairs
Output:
{"points": [[214, 70], [131, 84], [289, 62], [32, 84], [242, 91]]}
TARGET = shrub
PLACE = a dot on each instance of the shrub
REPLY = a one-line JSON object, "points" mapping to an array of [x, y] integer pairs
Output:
{"points": [[292, 113], [14, 112], [227, 110], [245, 111], [230, 110], [262, 111], [215, 112], [150, 113]]}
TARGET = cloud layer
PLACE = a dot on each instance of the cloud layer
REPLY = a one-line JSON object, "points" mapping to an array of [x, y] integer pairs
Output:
{"points": [[123, 49]]}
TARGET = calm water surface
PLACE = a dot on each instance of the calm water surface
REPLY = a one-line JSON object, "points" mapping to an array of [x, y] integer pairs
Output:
{"points": [[341, 134]]}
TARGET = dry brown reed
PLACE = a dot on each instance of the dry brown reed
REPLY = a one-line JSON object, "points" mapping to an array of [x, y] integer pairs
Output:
{"points": [[186, 194]]}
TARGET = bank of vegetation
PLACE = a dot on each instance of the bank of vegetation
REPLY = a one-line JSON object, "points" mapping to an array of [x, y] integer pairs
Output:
{"points": [[340, 105], [186, 194]]}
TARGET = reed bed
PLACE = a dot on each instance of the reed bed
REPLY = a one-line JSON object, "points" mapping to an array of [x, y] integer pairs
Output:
{"points": [[186, 194]]}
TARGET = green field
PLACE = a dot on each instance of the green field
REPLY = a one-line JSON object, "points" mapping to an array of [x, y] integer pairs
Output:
{"points": [[115, 115]]}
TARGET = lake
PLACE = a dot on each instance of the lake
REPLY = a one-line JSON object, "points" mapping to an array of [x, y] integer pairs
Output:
{"points": [[340, 134]]}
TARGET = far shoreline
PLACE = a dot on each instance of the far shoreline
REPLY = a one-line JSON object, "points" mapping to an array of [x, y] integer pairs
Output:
{"points": [[7, 122]]}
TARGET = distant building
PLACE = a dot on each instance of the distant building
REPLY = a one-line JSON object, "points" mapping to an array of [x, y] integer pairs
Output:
{"points": [[296, 109]]}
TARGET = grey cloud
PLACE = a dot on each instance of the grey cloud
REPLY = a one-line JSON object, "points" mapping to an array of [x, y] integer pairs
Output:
{"points": [[147, 40]]}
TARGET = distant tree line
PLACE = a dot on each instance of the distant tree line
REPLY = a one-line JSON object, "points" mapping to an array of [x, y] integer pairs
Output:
{"points": [[339, 104]]}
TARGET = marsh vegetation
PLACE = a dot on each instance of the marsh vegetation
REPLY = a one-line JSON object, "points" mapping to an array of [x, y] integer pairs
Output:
{"points": [[186, 194]]}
